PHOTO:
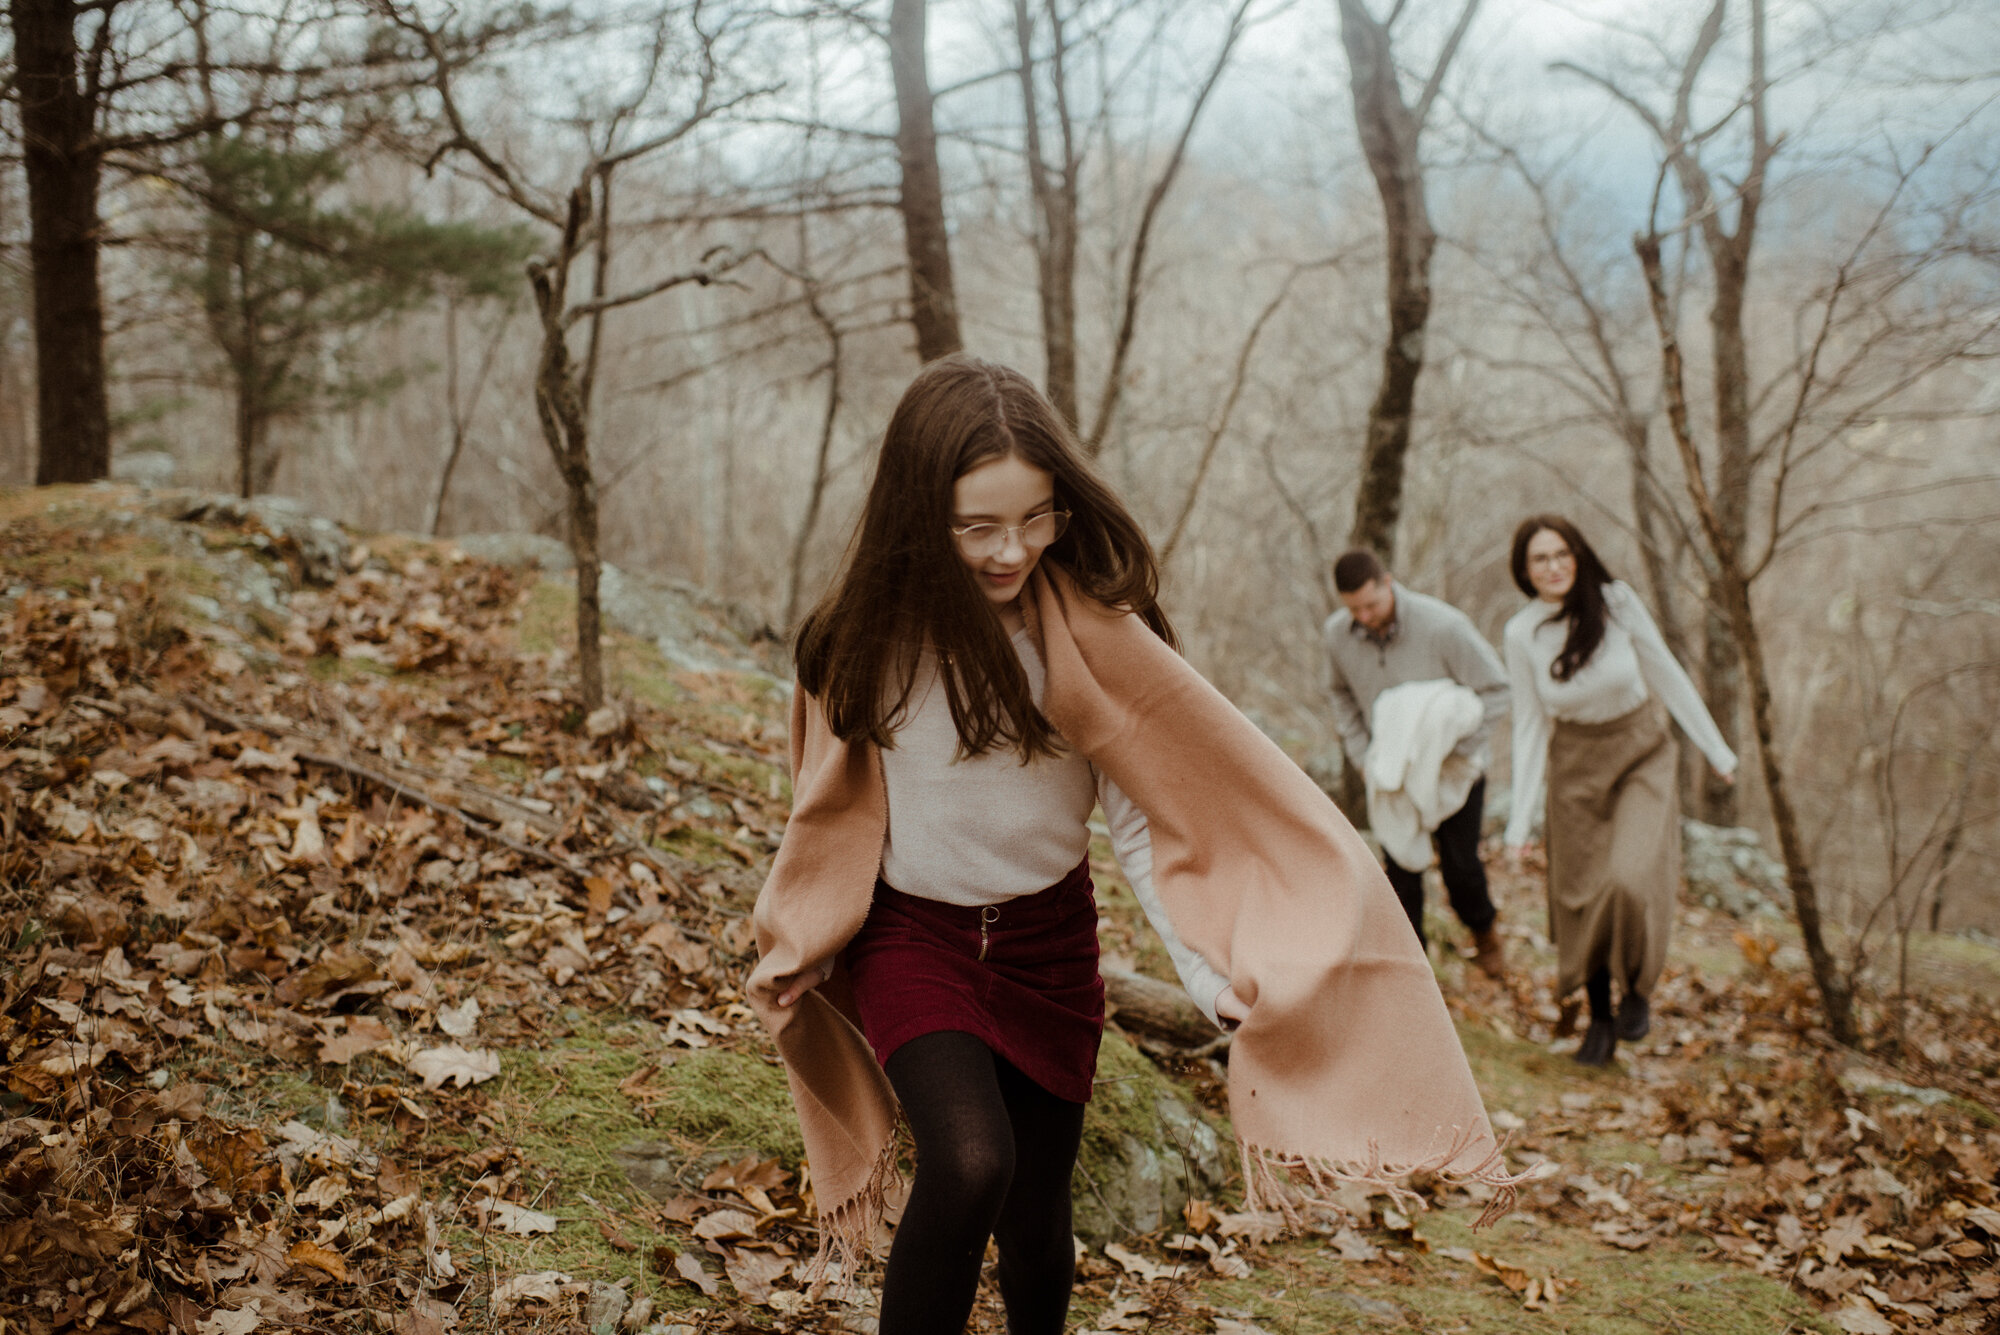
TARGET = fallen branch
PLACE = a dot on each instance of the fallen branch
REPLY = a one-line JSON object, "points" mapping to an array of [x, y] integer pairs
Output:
{"points": [[486, 827]]}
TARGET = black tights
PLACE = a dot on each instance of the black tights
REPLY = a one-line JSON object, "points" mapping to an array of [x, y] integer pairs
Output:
{"points": [[1597, 987], [994, 1156]]}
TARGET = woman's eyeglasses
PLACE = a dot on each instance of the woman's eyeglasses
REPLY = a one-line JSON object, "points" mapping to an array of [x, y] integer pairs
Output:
{"points": [[1549, 560], [980, 541]]}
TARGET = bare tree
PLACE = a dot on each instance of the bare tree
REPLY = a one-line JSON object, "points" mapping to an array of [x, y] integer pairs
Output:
{"points": [[1391, 130], [98, 84], [1573, 302], [461, 401], [1055, 191], [1218, 425], [62, 84], [1708, 199], [1054, 136], [581, 221], [933, 296], [1835, 986]]}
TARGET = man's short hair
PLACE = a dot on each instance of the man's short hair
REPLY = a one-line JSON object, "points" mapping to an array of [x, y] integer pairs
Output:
{"points": [[1355, 569]]}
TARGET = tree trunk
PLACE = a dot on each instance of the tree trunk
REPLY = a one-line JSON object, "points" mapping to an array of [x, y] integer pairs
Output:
{"points": [[1835, 988], [61, 158], [248, 464], [565, 421], [1055, 214], [816, 492], [1722, 666], [1389, 133], [455, 405], [933, 304]]}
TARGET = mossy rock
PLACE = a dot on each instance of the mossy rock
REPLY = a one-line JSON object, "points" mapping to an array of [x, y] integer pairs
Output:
{"points": [[1146, 1149]]}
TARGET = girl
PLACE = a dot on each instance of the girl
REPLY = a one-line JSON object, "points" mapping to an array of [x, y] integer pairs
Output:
{"points": [[990, 663], [1590, 674]]}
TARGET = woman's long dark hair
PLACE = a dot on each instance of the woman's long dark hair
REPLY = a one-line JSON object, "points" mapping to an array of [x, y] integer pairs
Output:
{"points": [[904, 588], [1582, 606]]}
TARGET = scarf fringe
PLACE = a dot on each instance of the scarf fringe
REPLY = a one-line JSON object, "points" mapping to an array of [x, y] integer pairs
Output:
{"points": [[1291, 1184], [847, 1228]]}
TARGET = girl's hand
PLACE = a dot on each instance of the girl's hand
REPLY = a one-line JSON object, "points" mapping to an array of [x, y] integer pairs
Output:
{"points": [[1518, 854], [1728, 779], [1230, 1008], [805, 981]]}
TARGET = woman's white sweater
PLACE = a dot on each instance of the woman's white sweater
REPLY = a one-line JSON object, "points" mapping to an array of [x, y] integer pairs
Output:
{"points": [[1631, 665]]}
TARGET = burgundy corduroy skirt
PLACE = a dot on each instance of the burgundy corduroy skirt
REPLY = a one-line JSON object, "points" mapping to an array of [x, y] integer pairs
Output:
{"points": [[1020, 976]]}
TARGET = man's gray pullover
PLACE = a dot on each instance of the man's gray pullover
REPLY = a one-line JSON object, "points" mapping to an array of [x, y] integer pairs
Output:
{"points": [[1426, 640]]}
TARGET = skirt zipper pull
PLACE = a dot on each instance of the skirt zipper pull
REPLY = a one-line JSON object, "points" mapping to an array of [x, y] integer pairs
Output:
{"points": [[987, 917]]}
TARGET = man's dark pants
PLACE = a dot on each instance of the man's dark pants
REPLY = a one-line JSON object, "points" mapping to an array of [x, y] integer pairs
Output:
{"points": [[1457, 841]]}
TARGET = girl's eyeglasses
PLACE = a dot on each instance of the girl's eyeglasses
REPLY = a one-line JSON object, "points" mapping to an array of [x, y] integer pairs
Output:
{"points": [[980, 541]]}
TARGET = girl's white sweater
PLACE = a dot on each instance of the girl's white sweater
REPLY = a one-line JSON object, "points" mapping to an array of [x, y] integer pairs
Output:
{"points": [[980, 830]]}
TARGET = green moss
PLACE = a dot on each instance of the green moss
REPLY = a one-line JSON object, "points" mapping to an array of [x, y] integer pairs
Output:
{"points": [[560, 1106], [700, 846], [1671, 1286], [548, 618], [1125, 1100], [732, 1102], [513, 769], [332, 667], [755, 775]]}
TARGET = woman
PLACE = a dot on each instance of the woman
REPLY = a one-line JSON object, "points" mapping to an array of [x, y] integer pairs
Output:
{"points": [[989, 664], [1593, 684]]}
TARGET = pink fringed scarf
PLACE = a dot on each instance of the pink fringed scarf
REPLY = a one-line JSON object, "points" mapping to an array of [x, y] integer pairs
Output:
{"points": [[1348, 1069]]}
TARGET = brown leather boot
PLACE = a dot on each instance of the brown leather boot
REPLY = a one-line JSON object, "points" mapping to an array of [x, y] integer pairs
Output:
{"points": [[1489, 953]]}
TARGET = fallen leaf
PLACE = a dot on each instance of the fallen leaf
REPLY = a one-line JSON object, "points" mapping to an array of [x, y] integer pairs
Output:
{"points": [[1124, 1315], [1353, 1247], [1252, 1225], [459, 1065], [324, 1191], [514, 1218], [362, 1034], [308, 1253], [1858, 1317], [691, 1269], [1136, 1265], [753, 1272], [1842, 1236], [427, 1316], [223, 1321], [1515, 1278], [537, 1286], [459, 1021], [726, 1226]]}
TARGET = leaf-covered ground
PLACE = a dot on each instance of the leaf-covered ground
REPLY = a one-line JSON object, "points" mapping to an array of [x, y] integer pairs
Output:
{"points": [[352, 977]]}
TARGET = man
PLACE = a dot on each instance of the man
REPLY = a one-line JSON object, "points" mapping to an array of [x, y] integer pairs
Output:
{"points": [[1385, 636]]}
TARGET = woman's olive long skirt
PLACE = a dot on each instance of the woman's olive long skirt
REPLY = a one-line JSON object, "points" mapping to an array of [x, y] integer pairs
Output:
{"points": [[1614, 841]]}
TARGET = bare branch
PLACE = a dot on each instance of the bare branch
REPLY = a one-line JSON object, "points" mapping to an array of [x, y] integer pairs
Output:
{"points": [[1422, 111], [1135, 269]]}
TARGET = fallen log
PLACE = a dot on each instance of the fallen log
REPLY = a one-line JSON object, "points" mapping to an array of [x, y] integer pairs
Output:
{"points": [[1157, 1012]]}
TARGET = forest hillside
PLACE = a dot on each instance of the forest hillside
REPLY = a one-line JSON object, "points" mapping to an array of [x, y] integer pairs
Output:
{"points": [[354, 977]]}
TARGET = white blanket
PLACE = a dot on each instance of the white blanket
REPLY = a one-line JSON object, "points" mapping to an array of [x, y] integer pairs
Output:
{"points": [[1414, 781]]}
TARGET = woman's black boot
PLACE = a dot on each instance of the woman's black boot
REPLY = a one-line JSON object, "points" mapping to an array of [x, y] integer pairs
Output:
{"points": [[1601, 1039], [1635, 1018]]}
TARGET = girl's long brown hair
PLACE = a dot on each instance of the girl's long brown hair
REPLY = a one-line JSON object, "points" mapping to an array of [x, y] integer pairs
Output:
{"points": [[1582, 606], [903, 587]]}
